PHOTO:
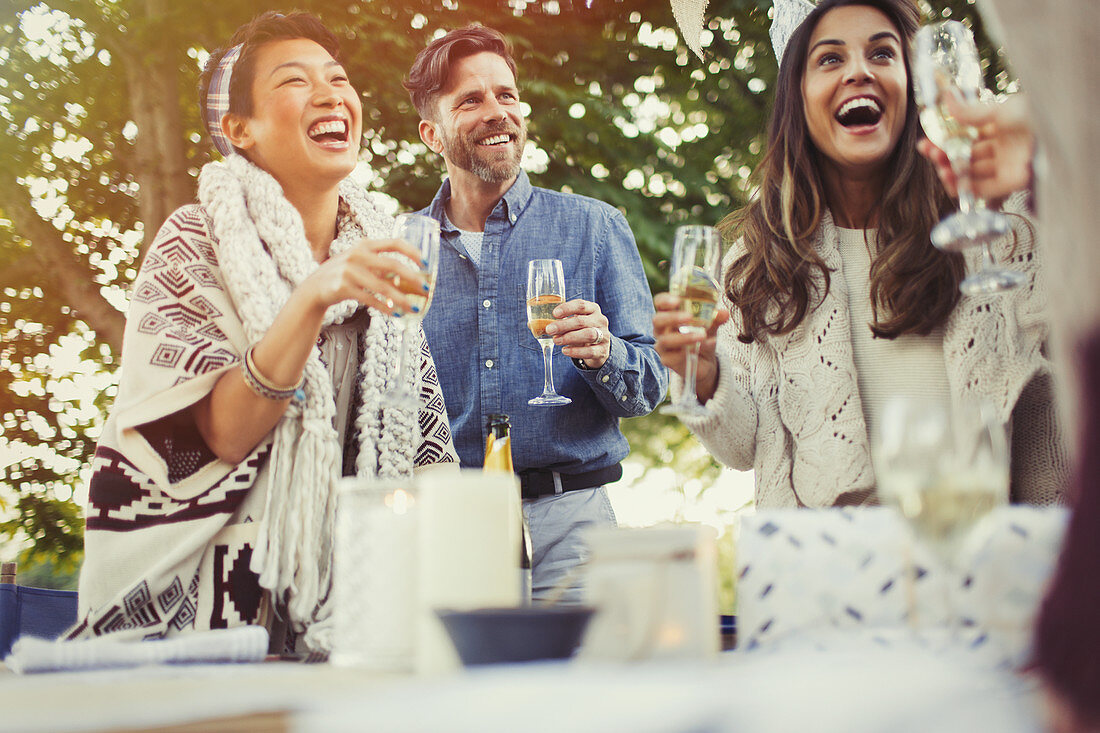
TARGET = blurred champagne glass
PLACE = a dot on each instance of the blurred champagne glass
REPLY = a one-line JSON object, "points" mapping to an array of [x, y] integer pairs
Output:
{"points": [[944, 469]]}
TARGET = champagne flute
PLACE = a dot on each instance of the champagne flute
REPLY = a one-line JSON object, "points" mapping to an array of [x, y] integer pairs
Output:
{"points": [[696, 272], [944, 469], [947, 73], [545, 292], [422, 232]]}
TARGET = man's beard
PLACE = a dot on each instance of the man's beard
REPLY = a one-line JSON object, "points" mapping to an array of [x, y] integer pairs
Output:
{"points": [[485, 162]]}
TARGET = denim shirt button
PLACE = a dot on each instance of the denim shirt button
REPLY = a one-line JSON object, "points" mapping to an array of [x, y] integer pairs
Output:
{"points": [[489, 365], [624, 398], [605, 379], [486, 302]]}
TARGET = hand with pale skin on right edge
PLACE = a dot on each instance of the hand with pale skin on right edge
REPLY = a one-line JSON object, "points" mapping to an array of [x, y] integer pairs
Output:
{"points": [[1001, 156], [232, 418], [672, 346]]}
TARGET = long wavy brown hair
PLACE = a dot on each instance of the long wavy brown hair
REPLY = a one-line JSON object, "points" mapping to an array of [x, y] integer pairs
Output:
{"points": [[914, 286]]}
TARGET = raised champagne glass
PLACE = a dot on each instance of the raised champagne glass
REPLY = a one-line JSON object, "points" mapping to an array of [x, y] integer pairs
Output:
{"points": [[422, 232], [545, 292], [947, 74], [696, 274]]}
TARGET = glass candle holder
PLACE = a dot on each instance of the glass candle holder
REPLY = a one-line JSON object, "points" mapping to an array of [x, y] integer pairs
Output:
{"points": [[375, 575]]}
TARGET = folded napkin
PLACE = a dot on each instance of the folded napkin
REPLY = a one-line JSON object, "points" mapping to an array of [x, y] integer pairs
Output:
{"points": [[242, 644]]}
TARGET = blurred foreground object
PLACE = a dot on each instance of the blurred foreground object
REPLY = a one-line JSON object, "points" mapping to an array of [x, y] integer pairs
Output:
{"points": [[237, 645], [804, 575], [1067, 640], [35, 612], [655, 590]]}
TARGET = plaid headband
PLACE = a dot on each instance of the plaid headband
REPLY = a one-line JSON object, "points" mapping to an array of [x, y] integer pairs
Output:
{"points": [[217, 99]]}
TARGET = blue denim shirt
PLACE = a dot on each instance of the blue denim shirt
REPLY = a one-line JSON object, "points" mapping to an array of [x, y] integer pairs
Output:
{"points": [[488, 361]]}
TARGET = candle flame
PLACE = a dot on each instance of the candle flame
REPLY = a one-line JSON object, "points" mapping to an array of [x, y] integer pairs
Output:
{"points": [[400, 501]]}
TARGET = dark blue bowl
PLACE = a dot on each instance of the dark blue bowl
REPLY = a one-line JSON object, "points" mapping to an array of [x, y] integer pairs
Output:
{"points": [[525, 634]]}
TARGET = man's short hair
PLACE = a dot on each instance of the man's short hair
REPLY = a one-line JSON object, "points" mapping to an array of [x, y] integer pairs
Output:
{"points": [[432, 68]]}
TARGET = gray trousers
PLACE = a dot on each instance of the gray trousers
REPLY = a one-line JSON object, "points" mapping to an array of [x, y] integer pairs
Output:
{"points": [[557, 525]]}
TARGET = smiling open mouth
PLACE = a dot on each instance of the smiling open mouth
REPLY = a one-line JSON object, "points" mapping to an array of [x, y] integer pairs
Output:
{"points": [[502, 138], [329, 131], [859, 111]]}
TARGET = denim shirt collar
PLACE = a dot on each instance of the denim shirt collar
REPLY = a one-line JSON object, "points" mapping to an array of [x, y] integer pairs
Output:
{"points": [[510, 207]]}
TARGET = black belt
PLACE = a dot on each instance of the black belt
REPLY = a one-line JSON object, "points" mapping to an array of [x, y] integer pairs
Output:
{"points": [[536, 482]]}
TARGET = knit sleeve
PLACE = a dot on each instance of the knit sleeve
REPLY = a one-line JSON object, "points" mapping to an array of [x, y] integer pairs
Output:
{"points": [[1001, 357], [728, 429], [995, 344], [436, 445]]}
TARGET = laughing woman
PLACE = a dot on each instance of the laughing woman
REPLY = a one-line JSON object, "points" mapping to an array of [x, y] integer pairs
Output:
{"points": [[253, 363], [839, 300]]}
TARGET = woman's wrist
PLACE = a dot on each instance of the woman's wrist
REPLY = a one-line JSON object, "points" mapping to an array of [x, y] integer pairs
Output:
{"points": [[706, 379]]}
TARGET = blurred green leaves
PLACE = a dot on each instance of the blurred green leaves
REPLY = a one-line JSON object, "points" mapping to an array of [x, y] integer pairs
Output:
{"points": [[101, 138]]}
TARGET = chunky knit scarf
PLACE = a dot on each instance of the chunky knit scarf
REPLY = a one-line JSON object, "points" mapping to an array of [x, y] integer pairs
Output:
{"points": [[264, 255]]}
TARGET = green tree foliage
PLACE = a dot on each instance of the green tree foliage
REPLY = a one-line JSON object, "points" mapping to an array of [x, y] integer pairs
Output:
{"points": [[102, 141]]}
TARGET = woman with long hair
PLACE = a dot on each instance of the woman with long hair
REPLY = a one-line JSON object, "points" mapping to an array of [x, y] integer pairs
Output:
{"points": [[253, 365], [839, 301]]}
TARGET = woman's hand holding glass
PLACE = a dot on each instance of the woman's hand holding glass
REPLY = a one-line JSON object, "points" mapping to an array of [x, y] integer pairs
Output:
{"points": [[1001, 157], [695, 281], [367, 273], [947, 76], [421, 234], [675, 344]]}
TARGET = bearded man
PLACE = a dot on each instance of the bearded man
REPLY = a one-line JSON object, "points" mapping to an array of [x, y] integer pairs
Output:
{"points": [[493, 222]]}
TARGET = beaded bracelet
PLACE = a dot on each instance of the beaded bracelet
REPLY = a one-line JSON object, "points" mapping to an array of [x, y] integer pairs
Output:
{"points": [[264, 388]]}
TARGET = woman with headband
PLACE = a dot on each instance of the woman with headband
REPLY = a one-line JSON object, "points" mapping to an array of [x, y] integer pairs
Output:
{"points": [[839, 301], [254, 359]]}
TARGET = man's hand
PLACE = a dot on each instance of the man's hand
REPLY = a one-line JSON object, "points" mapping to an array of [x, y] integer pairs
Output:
{"points": [[673, 346], [581, 331], [1000, 162]]}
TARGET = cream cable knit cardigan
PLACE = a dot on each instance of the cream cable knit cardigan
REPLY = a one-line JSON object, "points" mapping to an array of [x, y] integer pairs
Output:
{"points": [[789, 406]]}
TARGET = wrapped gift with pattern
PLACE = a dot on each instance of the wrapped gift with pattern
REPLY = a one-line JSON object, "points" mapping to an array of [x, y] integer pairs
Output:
{"points": [[805, 575]]}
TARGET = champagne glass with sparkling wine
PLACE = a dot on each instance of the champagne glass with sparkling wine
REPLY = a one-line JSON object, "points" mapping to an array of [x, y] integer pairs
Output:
{"points": [[545, 292], [696, 272], [947, 74], [422, 232], [943, 468]]}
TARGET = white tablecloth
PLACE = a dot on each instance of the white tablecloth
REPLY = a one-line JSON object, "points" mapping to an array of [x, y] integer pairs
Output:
{"points": [[856, 686]]}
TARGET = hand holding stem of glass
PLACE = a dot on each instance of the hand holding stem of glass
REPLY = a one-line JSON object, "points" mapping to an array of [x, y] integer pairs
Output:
{"points": [[422, 232], [696, 277], [545, 292], [947, 76]]}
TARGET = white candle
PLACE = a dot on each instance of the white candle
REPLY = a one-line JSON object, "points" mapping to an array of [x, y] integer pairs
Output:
{"points": [[469, 552]]}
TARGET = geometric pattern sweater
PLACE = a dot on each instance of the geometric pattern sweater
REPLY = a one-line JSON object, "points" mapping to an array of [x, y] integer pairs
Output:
{"points": [[170, 528]]}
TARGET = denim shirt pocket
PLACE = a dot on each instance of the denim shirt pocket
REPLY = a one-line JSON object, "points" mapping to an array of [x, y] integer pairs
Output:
{"points": [[524, 336]]}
